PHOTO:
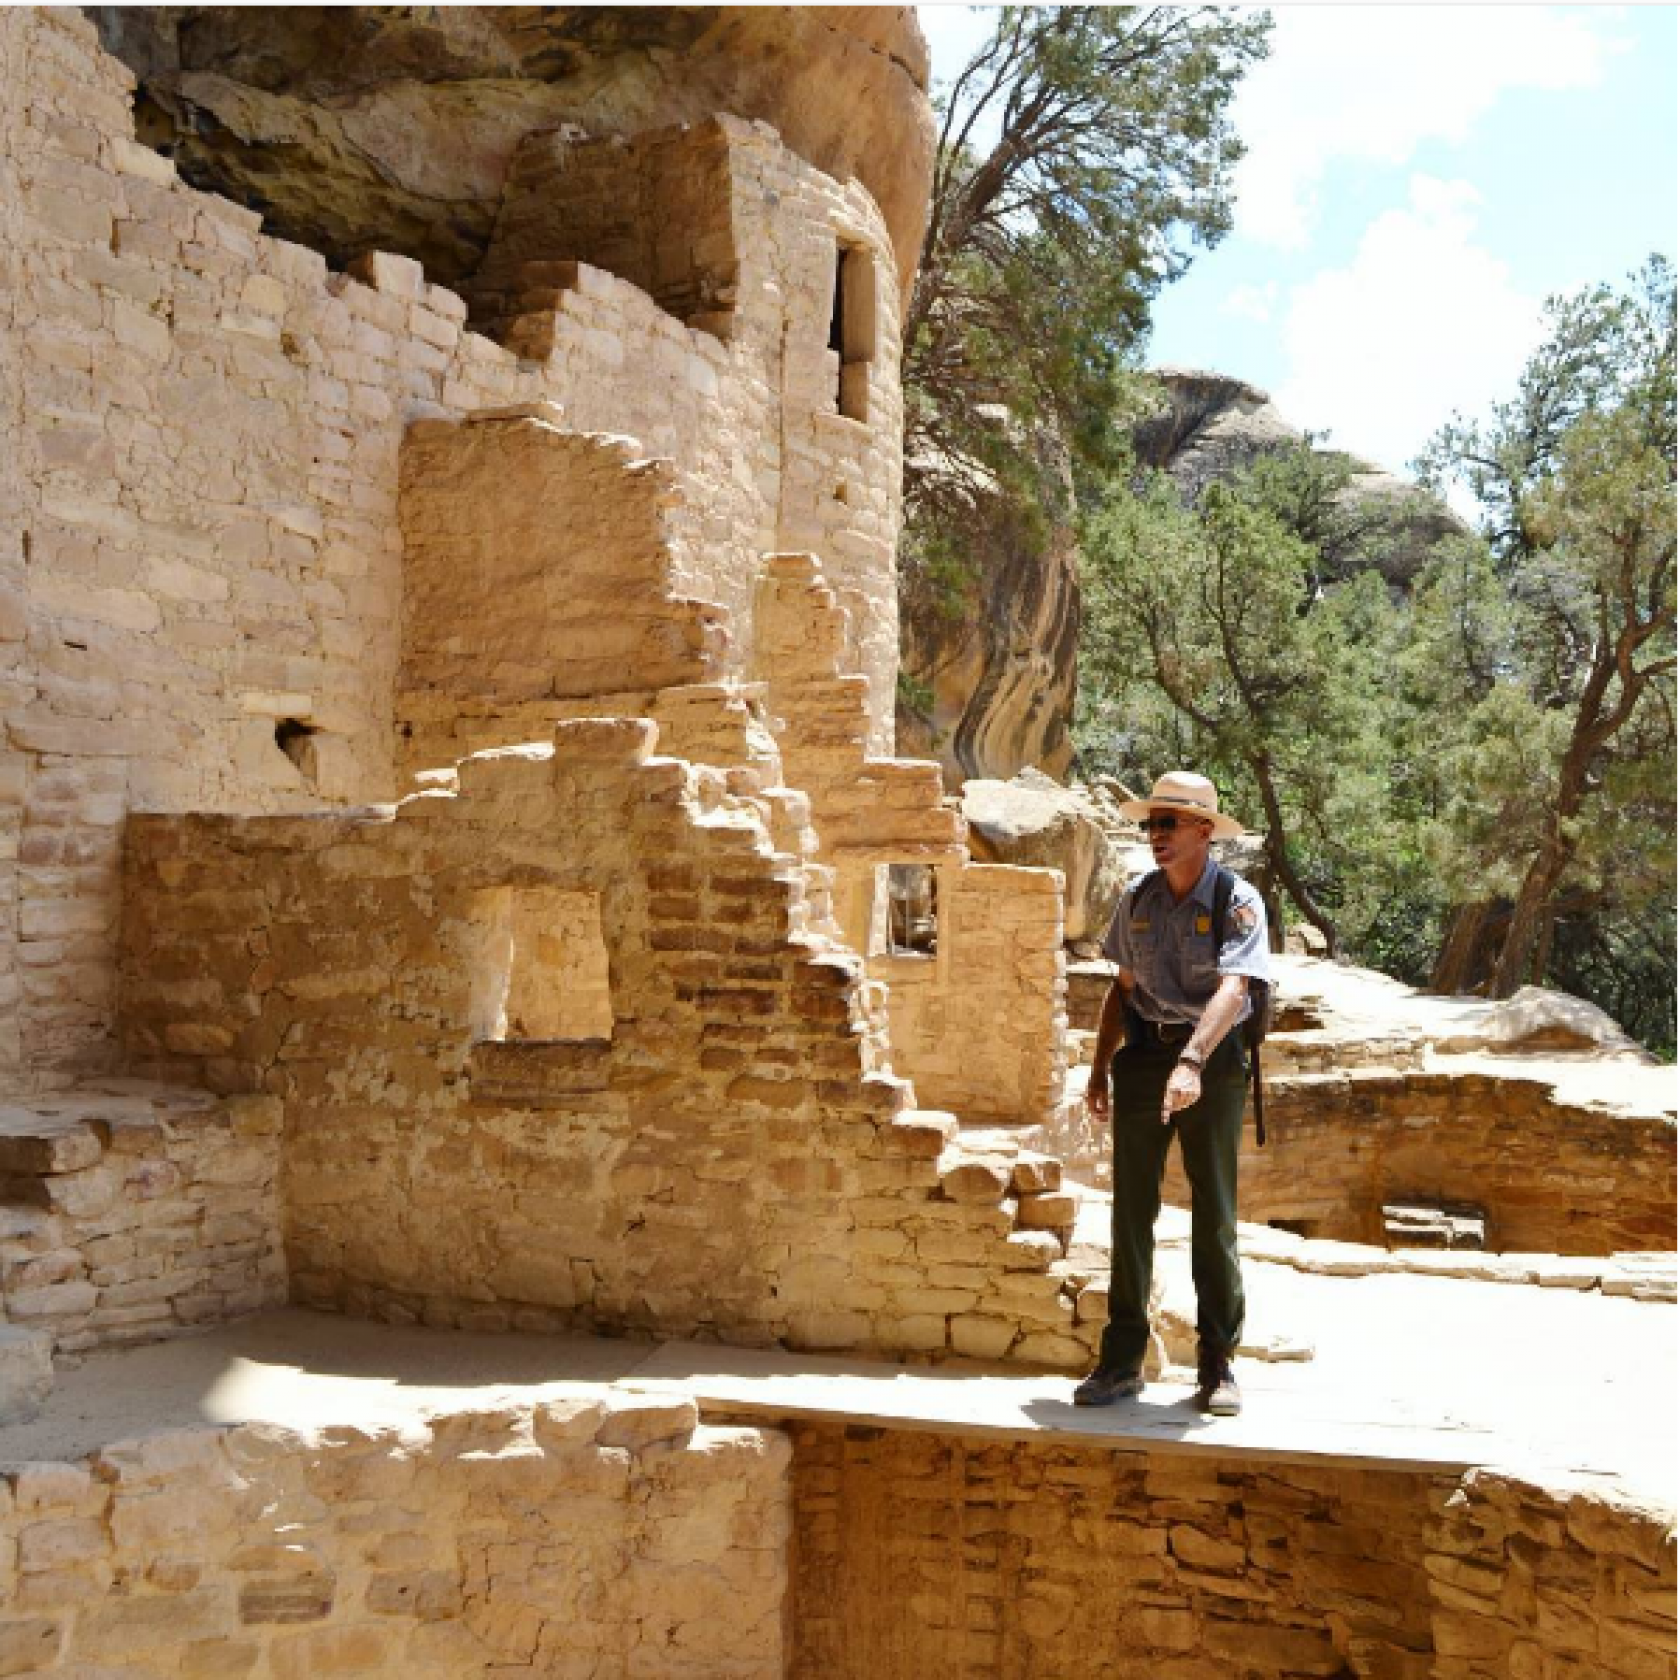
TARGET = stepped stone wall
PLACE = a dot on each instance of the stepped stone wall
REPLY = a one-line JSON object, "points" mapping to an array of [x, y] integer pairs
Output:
{"points": [[1551, 1176], [590, 1534], [916, 1555], [731, 1159], [979, 1021], [129, 1212], [200, 552]]}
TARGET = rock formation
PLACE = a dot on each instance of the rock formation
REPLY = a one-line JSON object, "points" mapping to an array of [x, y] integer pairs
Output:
{"points": [[991, 661], [391, 127], [1211, 426]]}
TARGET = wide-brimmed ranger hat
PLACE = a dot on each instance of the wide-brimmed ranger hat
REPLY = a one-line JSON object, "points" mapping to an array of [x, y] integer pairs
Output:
{"points": [[1196, 796]]}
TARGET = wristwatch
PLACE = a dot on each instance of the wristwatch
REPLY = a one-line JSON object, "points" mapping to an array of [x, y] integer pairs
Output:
{"points": [[1194, 1058]]}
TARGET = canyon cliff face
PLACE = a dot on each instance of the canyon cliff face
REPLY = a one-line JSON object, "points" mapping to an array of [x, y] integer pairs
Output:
{"points": [[391, 128], [990, 665]]}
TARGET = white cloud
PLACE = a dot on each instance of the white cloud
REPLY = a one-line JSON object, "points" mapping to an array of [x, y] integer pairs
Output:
{"points": [[1251, 303], [1422, 322], [1374, 83]]}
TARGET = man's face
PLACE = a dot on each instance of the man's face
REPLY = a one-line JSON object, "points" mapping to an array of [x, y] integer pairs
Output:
{"points": [[1175, 837]]}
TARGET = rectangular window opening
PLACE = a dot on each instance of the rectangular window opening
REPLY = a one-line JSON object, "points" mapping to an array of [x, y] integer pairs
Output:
{"points": [[851, 328], [544, 975], [912, 910]]}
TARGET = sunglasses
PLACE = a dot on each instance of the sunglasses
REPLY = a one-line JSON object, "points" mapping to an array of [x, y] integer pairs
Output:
{"points": [[1166, 824]]}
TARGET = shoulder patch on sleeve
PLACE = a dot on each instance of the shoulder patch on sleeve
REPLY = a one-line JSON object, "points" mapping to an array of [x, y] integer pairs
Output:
{"points": [[1244, 918]]}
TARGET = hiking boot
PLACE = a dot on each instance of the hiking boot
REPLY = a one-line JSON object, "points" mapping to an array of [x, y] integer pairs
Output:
{"points": [[1103, 1388], [1216, 1386]]}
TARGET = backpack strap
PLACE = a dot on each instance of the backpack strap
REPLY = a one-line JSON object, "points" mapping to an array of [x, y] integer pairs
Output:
{"points": [[1224, 885]]}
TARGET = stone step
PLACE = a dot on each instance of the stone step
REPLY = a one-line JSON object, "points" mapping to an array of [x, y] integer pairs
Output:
{"points": [[988, 1164], [1417, 1225]]}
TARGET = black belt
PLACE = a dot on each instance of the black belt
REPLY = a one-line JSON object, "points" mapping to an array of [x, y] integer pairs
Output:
{"points": [[1167, 1032]]}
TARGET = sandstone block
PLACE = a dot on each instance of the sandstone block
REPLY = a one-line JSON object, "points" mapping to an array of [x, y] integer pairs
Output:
{"points": [[1033, 1173], [1031, 1251], [30, 1646], [1047, 1210], [26, 1372], [976, 1336], [974, 1179], [639, 1423], [830, 1330], [1053, 1349]]}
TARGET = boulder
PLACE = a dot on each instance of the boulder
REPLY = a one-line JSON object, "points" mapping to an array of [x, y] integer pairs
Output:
{"points": [[1536, 1019], [390, 127], [1034, 821]]}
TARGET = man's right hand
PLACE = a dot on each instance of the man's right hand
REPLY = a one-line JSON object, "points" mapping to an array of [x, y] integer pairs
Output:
{"points": [[1096, 1094]]}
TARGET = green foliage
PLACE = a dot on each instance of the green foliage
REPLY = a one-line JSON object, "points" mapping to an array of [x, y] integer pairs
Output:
{"points": [[1269, 678], [1555, 644], [1473, 779], [1111, 159]]}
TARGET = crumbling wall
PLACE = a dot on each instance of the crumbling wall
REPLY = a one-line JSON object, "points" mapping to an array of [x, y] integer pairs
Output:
{"points": [[973, 1031], [201, 566], [131, 1212], [914, 1555], [657, 210], [1550, 1176], [979, 1022], [733, 1160], [541, 564], [596, 1533]]}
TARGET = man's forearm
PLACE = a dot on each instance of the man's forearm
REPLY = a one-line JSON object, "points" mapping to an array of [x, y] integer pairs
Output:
{"points": [[1218, 1018]]}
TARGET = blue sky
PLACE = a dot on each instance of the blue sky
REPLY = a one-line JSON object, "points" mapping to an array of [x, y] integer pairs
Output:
{"points": [[1419, 179]]}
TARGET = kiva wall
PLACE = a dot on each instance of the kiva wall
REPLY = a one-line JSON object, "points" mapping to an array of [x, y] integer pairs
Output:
{"points": [[1551, 1177], [201, 559], [914, 1555], [591, 1534]]}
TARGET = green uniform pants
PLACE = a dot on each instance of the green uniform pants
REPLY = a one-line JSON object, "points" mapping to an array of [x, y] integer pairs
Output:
{"points": [[1209, 1136]]}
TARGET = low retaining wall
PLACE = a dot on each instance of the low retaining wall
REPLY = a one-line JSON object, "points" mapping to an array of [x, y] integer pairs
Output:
{"points": [[917, 1555], [1551, 1177], [593, 1535], [130, 1212], [610, 1533]]}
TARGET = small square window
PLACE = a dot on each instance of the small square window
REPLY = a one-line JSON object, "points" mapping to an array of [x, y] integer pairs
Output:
{"points": [[912, 910], [545, 977]]}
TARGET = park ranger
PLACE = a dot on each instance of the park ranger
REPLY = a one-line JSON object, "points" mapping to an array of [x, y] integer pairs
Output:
{"points": [[1168, 1061]]}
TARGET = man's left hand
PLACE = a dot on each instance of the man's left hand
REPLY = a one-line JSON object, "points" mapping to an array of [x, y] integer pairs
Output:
{"points": [[1184, 1087]]}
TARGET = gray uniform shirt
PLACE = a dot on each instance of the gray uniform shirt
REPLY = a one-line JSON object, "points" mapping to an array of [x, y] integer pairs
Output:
{"points": [[1168, 947]]}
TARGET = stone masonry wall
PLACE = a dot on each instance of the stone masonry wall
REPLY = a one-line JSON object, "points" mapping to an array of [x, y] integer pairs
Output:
{"points": [[131, 1212], [975, 1037], [981, 1027], [732, 1162], [200, 469], [919, 1556], [1552, 1177], [657, 210], [594, 1534], [541, 564]]}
